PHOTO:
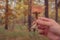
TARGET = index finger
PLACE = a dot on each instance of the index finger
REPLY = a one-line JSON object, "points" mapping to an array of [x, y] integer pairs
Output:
{"points": [[44, 19], [41, 22]]}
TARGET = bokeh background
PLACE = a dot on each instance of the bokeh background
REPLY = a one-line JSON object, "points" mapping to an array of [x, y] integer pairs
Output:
{"points": [[17, 16]]}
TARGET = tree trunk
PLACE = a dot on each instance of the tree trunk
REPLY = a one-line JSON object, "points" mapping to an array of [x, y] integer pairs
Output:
{"points": [[29, 14], [6, 16], [56, 10], [46, 9]]}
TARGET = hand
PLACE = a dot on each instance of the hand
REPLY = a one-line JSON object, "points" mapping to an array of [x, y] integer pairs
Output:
{"points": [[54, 27]]}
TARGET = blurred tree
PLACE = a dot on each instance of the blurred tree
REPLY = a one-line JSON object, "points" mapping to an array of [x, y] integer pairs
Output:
{"points": [[46, 9], [29, 14], [6, 16], [56, 10]]}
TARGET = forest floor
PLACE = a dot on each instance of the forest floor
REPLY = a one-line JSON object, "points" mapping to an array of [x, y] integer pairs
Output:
{"points": [[20, 33]]}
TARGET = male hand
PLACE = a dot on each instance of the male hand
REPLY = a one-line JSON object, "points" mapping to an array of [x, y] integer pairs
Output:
{"points": [[54, 27]]}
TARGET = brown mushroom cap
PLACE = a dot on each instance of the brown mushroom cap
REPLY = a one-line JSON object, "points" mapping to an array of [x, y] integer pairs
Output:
{"points": [[37, 9]]}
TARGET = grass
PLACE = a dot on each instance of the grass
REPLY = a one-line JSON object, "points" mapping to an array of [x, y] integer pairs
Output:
{"points": [[22, 33]]}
